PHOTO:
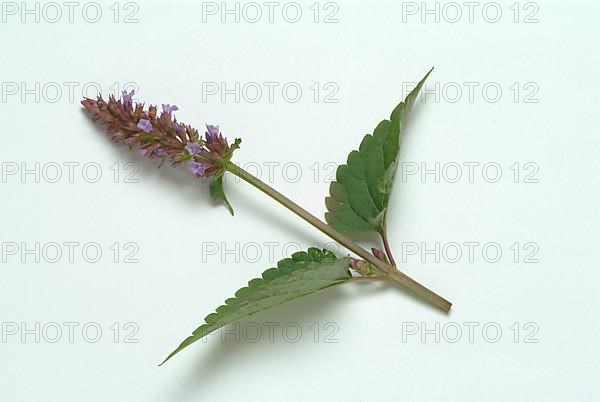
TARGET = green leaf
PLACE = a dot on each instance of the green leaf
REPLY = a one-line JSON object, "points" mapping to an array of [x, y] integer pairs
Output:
{"points": [[360, 196], [217, 193], [301, 275]]}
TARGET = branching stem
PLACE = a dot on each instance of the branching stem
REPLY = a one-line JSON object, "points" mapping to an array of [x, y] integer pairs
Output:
{"points": [[390, 271]]}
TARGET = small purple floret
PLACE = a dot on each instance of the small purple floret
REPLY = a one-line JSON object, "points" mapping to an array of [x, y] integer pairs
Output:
{"points": [[193, 148], [145, 125], [127, 97], [196, 168], [212, 130], [168, 109], [212, 133]]}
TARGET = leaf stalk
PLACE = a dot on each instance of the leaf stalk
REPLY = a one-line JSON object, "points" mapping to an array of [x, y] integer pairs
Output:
{"points": [[386, 246]]}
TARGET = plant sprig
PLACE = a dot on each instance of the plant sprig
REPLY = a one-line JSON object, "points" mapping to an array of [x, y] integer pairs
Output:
{"points": [[358, 203]]}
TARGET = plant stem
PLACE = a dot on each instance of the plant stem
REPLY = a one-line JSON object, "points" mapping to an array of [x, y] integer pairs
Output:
{"points": [[387, 248], [391, 272]]}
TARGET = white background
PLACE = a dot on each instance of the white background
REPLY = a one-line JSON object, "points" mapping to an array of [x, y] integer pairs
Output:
{"points": [[172, 55]]}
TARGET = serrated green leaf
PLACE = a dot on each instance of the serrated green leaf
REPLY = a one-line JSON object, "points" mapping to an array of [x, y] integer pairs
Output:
{"points": [[217, 193], [301, 275], [359, 197]]}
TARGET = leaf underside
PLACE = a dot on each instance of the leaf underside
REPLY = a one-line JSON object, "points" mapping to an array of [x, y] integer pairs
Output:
{"points": [[359, 197], [301, 275]]}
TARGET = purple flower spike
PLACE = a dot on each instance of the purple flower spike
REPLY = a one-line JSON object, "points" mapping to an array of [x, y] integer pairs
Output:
{"points": [[168, 109], [196, 168], [127, 97], [193, 148], [134, 125], [145, 125]]}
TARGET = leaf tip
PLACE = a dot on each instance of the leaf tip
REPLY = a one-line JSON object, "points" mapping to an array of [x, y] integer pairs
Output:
{"points": [[229, 207], [167, 359], [428, 73]]}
